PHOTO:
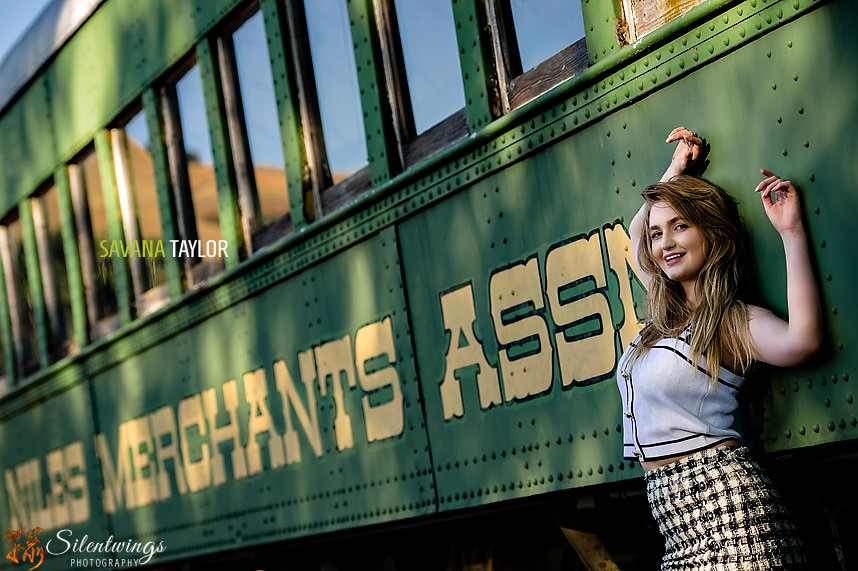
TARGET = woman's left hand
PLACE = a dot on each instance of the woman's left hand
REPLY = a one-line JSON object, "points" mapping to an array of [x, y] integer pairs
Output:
{"points": [[780, 199]]}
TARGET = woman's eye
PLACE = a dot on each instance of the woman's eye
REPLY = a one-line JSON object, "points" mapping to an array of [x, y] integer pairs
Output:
{"points": [[655, 235], [681, 226]]}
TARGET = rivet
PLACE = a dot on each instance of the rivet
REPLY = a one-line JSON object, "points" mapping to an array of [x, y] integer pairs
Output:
{"points": [[845, 377], [813, 178], [774, 86], [827, 402], [802, 430], [633, 182], [769, 54], [806, 143], [822, 243], [840, 346], [842, 423], [785, 152], [833, 379], [815, 427], [831, 425], [795, 387], [788, 433], [823, 381], [801, 110], [853, 421], [780, 119], [580, 473], [849, 398], [711, 48], [795, 77], [742, 32], [780, 15], [810, 383]]}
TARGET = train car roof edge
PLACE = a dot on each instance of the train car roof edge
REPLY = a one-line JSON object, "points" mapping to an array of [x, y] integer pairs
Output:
{"points": [[45, 36]]}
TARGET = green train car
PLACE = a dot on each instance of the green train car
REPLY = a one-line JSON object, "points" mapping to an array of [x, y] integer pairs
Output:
{"points": [[342, 284]]}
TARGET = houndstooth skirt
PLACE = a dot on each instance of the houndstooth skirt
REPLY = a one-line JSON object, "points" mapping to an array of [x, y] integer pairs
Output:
{"points": [[718, 511]]}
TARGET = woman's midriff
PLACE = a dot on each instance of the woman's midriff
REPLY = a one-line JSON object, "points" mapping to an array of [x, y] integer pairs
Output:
{"points": [[653, 464]]}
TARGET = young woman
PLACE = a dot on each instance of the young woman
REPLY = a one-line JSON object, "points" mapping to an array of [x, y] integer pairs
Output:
{"points": [[678, 379]]}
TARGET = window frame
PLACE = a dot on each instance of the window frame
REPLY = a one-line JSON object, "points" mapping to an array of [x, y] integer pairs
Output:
{"points": [[21, 339], [149, 300], [517, 86], [413, 148], [57, 348]]}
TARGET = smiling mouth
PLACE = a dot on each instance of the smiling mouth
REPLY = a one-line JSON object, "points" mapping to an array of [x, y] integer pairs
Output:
{"points": [[673, 259]]}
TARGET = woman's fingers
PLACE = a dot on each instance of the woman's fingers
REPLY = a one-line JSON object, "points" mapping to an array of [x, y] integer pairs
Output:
{"points": [[766, 182], [683, 133]]}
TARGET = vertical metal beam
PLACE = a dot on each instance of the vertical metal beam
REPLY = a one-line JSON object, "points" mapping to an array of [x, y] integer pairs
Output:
{"points": [[34, 280], [121, 278], [288, 107], [381, 143], [8, 340], [605, 28], [227, 192], [482, 103], [172, 266], [70, 247]]}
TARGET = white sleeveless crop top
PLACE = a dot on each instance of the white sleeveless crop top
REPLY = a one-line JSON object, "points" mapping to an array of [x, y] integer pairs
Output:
{"points": [[670, 407]]}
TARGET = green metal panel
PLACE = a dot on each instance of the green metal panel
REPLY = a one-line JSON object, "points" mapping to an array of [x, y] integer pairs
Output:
{"points": [[34, 280], [121, 275], [51, 475], [380, 138], [72, 256], [475, 56], [27, 147], [358, 476], [227, 189], [519, 231], [166, 204], [288, 109], [604, 27]]}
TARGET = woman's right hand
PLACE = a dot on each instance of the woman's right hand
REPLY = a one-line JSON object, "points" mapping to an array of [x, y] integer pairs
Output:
{"points": [[688, 152]]}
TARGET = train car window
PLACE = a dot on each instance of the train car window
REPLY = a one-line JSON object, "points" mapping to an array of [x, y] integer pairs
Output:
{"points": [[18, 295], [93, 235], [425, 76], [427, 33], [192, 169], [538, 44], [52, 260], [254, 132], [138, 200], [338, 97]]}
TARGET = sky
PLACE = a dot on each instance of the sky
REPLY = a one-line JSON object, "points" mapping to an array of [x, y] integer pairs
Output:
{"points": [[15, 17]]}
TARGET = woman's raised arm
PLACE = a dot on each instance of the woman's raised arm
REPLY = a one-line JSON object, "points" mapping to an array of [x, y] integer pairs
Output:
{"points": [[687, 152], [778, 342]]}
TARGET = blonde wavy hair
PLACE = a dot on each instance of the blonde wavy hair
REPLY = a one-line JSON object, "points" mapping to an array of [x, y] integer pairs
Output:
{"points": [[720, 321]]}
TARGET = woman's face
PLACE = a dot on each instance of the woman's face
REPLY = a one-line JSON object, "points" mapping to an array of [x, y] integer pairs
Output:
{"points": [[677, 247]]}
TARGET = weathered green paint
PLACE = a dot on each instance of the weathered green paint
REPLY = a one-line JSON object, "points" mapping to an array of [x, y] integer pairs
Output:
{"points": [[475, 57], [605, 29], [564, 166], [227, 189], [380, 138], [72, 256], [166, 203], [288, 108], [34, 280]]}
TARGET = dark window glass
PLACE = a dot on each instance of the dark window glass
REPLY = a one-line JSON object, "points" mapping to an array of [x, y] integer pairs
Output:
{"points": [[428, 38], [198, 152], [261, 120], [336, 85], [144, 193], [544, 27], [18, 295], [52, 259]]}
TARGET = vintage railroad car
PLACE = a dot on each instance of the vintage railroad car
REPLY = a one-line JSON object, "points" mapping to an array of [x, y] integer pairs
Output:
{"points": [[342, 284]]}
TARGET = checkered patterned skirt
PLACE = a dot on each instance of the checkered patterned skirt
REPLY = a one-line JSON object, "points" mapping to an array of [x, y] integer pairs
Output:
{"points": [[718, 511]]}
